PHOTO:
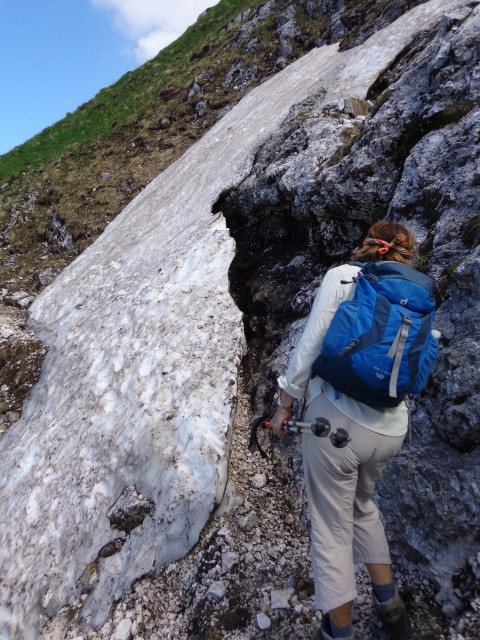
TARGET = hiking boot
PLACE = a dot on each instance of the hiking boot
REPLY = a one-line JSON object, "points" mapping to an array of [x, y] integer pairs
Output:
{"points": [[325, 631], [394, 618]]}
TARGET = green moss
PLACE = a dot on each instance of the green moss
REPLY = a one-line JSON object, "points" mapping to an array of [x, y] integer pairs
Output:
{"points": [[4, 407], [89, 578], [17, 233], [471, 232], [451, 268], [421, 262], [450, 115], [380, 101], [313, 31], [71, 615], [351, 136], [90, 571]]}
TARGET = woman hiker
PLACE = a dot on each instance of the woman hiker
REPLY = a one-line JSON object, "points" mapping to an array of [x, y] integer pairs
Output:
{"points": [[345, 524]]}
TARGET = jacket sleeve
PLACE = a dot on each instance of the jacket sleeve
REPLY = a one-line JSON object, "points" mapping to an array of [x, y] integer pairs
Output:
{"points": [[329, 296]]}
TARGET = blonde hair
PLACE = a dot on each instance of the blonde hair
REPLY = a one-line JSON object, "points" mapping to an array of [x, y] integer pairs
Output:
{"points": [[386, 241]]}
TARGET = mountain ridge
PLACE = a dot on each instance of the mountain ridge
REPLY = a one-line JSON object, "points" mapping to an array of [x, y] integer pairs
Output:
{"points": [[109, 172]]}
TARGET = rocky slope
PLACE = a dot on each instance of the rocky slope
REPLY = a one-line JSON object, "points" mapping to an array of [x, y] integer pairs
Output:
{"points": [[410, 153], [134, 404], [50, 214]]}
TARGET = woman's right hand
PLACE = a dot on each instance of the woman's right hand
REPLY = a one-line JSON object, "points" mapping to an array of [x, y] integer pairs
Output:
{"points": [[278, 422]]}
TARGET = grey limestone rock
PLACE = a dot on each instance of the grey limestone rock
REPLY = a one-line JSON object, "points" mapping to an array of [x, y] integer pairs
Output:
{"points": [[201, 108], [44, 278], [229, 560], [287, 30], [456, 377], [239, 18], [240, 76], [195, 90], [259, 480], [248, 522], [57, 234], [263, 621], [217, 590], [314, 189], [280, 598], [123, 630], [130, 510]]}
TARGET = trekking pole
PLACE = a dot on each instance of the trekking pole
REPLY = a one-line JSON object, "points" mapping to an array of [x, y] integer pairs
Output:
{"points": [[321, 428]]}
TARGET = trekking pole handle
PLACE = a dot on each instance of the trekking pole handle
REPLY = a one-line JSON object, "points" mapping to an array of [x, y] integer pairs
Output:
{"points": [[319, 427], [295, 423]]}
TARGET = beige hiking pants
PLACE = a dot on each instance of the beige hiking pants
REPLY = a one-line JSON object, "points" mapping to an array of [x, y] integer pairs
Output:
{"points": [[345, 524]]}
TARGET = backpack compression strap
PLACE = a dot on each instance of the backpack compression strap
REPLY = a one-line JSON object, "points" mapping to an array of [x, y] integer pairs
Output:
{"points": [[396, 352]]}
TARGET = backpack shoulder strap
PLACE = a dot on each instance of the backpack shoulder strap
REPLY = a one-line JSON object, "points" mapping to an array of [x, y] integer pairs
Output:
{"points": [[354, 278]]}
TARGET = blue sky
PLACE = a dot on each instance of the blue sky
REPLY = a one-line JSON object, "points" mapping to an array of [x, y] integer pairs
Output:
{"points": [[57, 54]]}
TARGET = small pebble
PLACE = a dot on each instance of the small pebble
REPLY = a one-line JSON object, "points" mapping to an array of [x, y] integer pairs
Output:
{"points": [[123, 630], [216, 591], [263, 621], [259, 480], [280, 599]]}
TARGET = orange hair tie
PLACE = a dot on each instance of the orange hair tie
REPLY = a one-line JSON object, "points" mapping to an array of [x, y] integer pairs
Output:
{"points": [[384, 247]]}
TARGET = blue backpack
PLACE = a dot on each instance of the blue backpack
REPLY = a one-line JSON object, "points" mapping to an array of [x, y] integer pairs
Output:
{"points": [[379, 347]]}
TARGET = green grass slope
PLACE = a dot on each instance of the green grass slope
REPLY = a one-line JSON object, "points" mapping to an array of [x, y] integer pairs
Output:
{"points": [[86, 168], [125, 100]]}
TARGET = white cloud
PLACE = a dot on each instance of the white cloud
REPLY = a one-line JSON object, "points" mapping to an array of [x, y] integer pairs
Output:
{"points": [[148, 46], [152, 24]]}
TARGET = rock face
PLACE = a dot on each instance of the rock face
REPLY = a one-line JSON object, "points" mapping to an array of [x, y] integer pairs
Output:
{"points": [[121, 452], [21, 355], [410, 152]]}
